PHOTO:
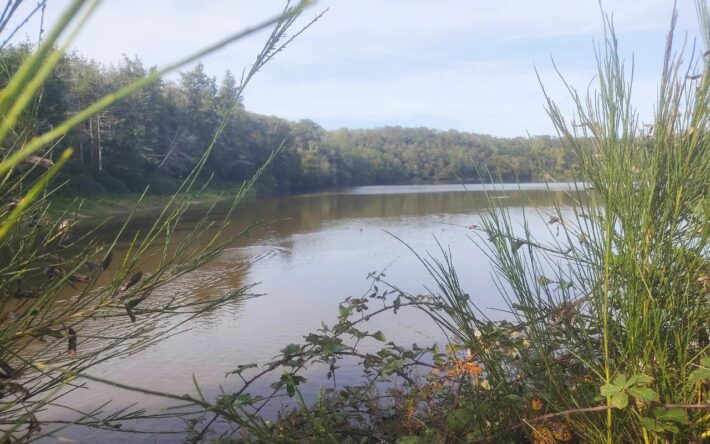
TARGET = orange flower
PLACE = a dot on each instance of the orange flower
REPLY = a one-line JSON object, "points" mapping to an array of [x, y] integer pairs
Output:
{"points": [[537, 403], [465, 367], [473, 368], [543, 435], [561, 432]]}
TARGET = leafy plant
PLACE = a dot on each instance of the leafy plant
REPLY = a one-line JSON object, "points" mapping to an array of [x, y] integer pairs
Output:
{"points": [[48, 339], [619, 286]]}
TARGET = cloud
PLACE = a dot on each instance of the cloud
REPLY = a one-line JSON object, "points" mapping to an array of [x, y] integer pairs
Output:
{"points": [[463, 64]]}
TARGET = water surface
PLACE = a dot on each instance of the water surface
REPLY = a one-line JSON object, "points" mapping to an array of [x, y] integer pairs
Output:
{"points": [[315, 251]]}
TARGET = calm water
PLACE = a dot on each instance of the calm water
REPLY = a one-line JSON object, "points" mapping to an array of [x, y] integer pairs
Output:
{"points": [[317, 250]]}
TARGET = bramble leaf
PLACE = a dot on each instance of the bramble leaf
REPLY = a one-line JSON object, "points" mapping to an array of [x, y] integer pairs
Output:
{"points": [[651, 425], [673, 414], [609, 390], [639, 380], [620, 400], [698, 375], [621, 380], [643, 394]]}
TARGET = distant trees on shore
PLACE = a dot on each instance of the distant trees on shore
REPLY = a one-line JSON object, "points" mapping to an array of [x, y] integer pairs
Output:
{"points": [[156, 136]]}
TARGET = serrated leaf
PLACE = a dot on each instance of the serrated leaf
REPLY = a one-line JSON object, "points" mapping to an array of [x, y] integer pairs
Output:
{"points": [[291, 349], [651, 425], [674, 414], [621, 380], [620, 400], [609, 390], [644, 394], [331, 346], [698, 375], [639, 380], [705, 361]]}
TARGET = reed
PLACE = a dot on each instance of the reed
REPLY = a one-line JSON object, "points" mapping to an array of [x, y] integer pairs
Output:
{"points": [[49, 337], [614, 308], [606, 335]]}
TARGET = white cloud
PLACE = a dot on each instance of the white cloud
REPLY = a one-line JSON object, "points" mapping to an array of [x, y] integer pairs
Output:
{"points": [[466, 64]]}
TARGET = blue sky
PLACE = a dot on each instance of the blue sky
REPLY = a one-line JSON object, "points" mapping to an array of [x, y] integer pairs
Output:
{"points": [[466, 65]]}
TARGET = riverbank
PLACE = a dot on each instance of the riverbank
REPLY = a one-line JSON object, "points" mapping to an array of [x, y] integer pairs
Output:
{"points": [[95, 209]]}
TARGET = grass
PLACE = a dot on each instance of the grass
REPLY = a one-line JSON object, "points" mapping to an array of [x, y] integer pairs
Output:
{"points": [[48, 342], [94, 210], [608, 340]]}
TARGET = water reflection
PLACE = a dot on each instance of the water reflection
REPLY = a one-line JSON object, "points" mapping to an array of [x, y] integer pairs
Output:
{"points": [[314, 251]]}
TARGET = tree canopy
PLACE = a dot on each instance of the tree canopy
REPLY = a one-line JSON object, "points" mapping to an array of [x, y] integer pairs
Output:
{"points": [[156, 136]]}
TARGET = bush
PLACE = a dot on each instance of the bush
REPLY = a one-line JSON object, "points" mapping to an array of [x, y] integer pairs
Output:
{"points": [[608, 333]]}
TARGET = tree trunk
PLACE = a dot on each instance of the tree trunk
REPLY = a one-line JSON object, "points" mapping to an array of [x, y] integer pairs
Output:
{"points": [[98, 136], [91, 139]]}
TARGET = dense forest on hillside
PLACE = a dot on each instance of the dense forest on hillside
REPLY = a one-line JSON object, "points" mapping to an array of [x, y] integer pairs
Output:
{"points": [[156, 136]]}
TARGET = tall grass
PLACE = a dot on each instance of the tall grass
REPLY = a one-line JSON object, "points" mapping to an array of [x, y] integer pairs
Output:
{"points": [[615, 309], [47, 341], [606, 338]]}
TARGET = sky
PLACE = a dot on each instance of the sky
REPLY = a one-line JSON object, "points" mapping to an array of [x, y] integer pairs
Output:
{"points": [[467, 65]]}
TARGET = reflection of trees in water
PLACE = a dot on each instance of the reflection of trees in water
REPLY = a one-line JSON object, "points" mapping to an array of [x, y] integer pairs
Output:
{"points": [[301, 214], [284, 217], [288, 215]]}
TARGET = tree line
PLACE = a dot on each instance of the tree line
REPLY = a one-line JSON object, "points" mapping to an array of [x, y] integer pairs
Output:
{"points": [[155, 137]]}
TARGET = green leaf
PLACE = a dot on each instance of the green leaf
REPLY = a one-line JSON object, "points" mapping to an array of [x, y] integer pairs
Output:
{"points": [[620, 400], [291, 349], [461, 417], [245, 398], [705, 361], [609, 390], [379, 336], [565, 284], [332, 345], [543, 280], [698, 375], [650, 424], [621, 380], [344, 311], [639, 380], [644, 394], [670, 427], [674, 414]]}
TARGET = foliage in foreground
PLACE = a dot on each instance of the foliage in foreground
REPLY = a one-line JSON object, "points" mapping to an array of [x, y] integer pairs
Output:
{"points": [[67, 302], [606, 337]]}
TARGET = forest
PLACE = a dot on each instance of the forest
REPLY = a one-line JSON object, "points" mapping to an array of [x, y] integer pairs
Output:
{"points": [[155, 137], [543, 313]]}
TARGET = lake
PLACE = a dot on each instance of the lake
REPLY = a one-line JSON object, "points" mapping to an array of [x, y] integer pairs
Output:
{"points": [[315, 250]]}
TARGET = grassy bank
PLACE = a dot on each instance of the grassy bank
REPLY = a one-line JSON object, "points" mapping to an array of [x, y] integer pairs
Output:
{"points": [[95, 209]]}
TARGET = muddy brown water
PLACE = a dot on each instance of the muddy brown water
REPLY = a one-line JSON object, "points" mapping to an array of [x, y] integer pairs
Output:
{"points": [[315, 250]]}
